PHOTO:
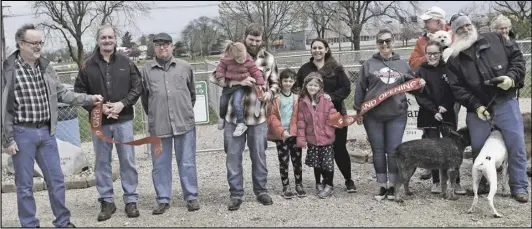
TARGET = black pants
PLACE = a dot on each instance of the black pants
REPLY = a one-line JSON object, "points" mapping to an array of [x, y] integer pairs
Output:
{"points": [[288, 150], [327, 176], [435, 133], [341, 156]]}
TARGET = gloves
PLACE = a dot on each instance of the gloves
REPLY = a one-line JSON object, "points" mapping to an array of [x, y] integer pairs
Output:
{"points": [[483, 114], [506, 84], [438, 116]]}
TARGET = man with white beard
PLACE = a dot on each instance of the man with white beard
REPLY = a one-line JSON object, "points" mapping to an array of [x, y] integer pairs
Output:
{"points": [[476, 59]]}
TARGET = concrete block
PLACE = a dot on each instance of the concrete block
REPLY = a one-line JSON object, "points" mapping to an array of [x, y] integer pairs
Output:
{"points": [[76, 183]]}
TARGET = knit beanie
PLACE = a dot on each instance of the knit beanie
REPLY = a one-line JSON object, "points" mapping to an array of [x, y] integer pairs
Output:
{"points": [[459, 22]]}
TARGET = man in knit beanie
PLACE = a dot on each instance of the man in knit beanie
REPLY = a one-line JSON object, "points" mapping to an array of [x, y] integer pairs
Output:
{"points": [[475, 60]]}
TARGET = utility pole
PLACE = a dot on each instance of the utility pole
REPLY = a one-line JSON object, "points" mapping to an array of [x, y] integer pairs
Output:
{"points": [[3, 34]]}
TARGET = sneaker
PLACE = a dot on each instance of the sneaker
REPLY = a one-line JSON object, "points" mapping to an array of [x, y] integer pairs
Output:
{"points": [[132, 211], [220, 124], [436, 188], [287, 192], [326, 192], [521, 198], [234, 204], [265, 199], [319, 187], [350, 185], [300, 191], [391, 193], [240, 129], [107, 210], [382, 193], [193, 205], [459, 190], [161, 209]]}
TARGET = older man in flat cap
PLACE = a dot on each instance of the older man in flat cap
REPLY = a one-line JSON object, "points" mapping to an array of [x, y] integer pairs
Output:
{"points": [[479, 58], [168, 97]]}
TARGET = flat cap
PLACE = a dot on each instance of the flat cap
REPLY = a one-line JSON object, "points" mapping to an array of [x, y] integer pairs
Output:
{"points": [[162, 37]]}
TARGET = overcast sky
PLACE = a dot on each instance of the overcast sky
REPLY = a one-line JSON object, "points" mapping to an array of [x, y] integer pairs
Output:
{"points": [[171, 20]]}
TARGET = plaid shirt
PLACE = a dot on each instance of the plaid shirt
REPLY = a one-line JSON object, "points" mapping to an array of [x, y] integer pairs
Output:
{"points": [[265, 61], [31, 99]]}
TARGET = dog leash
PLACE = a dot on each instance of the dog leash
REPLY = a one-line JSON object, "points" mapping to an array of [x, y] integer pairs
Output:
{"points": [[492, 82]]}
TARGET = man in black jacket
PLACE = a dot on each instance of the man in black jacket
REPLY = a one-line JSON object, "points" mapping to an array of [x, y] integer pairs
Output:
{"points": [[476, 59], [117, 79]]}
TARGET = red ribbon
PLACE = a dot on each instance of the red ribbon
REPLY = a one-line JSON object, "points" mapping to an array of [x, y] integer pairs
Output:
{"points": [[336, 120], [96, 126]]}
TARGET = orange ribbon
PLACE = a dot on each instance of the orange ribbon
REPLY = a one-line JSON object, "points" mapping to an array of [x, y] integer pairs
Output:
{"points": [[96, 126], [338, 121]]}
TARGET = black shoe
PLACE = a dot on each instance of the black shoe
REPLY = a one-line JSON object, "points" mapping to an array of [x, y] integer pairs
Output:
{"points": [[193, 205], [382, 193], [234, 204], [300, 191], [391, 193], [350, 185], [287, 192], [69, 225], [265, 199], [161, 208], [132, 211], [107, 210]]}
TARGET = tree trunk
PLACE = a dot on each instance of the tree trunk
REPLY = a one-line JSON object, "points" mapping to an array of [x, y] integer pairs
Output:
{"points": [[80, 53]]}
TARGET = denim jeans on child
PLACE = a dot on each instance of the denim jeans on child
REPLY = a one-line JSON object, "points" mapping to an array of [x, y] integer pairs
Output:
{"points": [[238, 93]]}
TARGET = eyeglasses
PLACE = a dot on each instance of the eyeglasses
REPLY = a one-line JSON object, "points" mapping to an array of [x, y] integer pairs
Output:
{"points": [[455, 16], [388, 41], [164, 45], [34, 44], [430, 54]]}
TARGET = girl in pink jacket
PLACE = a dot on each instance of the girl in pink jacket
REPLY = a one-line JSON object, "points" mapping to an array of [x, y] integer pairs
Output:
{"points": [[312, 129]]}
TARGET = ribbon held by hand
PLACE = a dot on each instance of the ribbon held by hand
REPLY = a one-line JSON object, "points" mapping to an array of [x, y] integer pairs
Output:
{"points": [[96, 127], [338, 121]]}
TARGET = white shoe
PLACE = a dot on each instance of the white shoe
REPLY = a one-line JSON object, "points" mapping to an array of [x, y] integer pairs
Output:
{"points": [[240, 129]]}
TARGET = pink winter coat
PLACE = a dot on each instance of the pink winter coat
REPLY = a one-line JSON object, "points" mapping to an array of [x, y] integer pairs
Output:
{"points": [[312, 124], [228, 68]]}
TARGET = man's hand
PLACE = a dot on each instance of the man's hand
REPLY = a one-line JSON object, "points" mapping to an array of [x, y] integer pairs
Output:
{"points": [[442, 109], [266, 96], [422, 83], [96, 99], [116, 108], [327, 97], [506, 84], [108, 111], [438, 116], [483, 113], [248, 82], [12, 150]]}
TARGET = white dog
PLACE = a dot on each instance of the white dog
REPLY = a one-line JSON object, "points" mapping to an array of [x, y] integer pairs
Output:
{"points": [[492, 156], [445, 39]]}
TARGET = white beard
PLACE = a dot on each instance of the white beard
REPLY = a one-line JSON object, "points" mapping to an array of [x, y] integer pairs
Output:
{"points": [[464, 41]]}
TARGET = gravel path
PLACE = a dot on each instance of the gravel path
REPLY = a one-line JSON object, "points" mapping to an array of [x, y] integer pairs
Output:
{"points": [[342, 210]]}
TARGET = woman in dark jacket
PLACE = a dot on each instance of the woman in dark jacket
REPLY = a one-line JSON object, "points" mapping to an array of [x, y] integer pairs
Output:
{"points": [[436, 103], [337, 86]]}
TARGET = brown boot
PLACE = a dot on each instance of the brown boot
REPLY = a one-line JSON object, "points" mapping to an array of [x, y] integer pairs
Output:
{"points": [[522, 198]]}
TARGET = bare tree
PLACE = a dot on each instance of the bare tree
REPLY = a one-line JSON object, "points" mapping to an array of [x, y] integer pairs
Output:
{"points": [[277, 17], [520, 12], [409, 31], [320, 14], [200, 35], [72, 19], [355, 14], [232, 27]]}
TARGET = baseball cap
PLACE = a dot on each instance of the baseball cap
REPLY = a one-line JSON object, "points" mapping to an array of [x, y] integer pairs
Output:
{"points": [[162, 37], [433, 12]]}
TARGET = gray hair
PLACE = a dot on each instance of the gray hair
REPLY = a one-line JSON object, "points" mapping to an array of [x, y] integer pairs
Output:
{"points": [[105, 27], [21, 33], [499, 21]]}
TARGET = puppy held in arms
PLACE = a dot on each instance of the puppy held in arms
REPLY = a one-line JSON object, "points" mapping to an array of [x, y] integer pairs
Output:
{"points": [[445, 154], [492, 156]]}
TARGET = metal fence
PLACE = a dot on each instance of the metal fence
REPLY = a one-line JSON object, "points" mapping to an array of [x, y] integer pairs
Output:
{"points": [[349, 59]]}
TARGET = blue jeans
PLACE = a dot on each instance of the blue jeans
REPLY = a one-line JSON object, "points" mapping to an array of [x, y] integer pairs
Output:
{"points": [[384, 137], [238, 109], [36, 144], [507, 117], [122, 132], [185, 155], [234, 148]]}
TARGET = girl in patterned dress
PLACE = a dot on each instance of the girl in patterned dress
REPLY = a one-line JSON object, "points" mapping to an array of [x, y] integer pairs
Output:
{"points": [[312, 129], [282, 129]]}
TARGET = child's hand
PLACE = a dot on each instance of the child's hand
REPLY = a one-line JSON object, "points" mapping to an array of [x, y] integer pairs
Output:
{"points": [[286, 135], [327, 97], [266, 96]]}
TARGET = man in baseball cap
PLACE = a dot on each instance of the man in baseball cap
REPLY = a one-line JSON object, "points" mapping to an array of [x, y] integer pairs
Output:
{"points": [[433, 13], [162, 37]]}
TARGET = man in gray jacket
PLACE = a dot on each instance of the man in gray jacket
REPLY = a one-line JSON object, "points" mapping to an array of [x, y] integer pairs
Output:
{"points": [[30, 94], [168, 97]]}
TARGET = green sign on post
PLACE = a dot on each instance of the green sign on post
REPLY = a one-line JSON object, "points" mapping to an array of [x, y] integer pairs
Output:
{"points": [[201, 108]]}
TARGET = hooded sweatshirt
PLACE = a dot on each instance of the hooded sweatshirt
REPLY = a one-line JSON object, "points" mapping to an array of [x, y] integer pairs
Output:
{"points": [[378, 75]]}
